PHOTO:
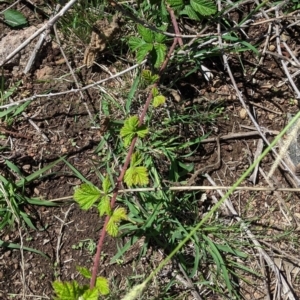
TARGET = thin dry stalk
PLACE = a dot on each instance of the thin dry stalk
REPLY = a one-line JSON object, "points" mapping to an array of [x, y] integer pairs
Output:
{"points": [[284, 149], [60, 236], [73, 90], [47, 26], [287, 73]]}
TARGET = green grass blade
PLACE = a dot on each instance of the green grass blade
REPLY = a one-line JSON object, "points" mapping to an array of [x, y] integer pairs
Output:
{"points": [[132, 93], [38, 201], [76, 172], [217, 257], [14, 168], [17, 246], [39, 172]]}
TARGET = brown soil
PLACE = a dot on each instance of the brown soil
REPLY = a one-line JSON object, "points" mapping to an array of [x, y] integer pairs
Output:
{"points": [[67, 234]]}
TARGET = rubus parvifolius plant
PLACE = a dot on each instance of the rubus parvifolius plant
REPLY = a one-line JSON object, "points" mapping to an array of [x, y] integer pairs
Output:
{"points": [[133, 173]]}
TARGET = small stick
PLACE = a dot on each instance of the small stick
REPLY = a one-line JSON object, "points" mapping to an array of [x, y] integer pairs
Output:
{"points": [[14, 134], [265, 108], [296, 90], [257, 153], [232, 136], [73, 90], [60, 235], [48, 25], [33, 124]]}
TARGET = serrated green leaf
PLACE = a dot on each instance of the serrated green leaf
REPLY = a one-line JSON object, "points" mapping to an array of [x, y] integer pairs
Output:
{"points": [[104, 206], [155, 92], [106, 185], [119, 214], [84, 272], [143, 51], [136, 291], [102, 285], [146, 75], [189, 11], [135, 43], [131, 128], [86, 195], [176, 4], [149, 78], [142, 131], [160, 38], [127, 140], [204, 7], [136, 159], [159, 100], [146, 34], [163, 11], [112, 228], [14, 18], [66, 290], [128, 130], [160, 51], [136, 176], [90, 294]]}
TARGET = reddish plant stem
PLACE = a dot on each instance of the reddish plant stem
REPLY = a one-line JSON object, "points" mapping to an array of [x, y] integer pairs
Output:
{"points": [[125, 166], [175, 25]]}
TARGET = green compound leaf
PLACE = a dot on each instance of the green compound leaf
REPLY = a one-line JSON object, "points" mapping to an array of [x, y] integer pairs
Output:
{"points": [[159, 100], [106, 185], [104, 206], [160, 38], [143, 51], [66, 290], [149, 78], [14, 18], [204, 7], [176, 4], [136, 176], [92, 294], [102, 285], [86, 195], [118, 215], [84, 272], [160, 51], [135, 43], [188, 10], [136, 159], [112, 228], [146, 34], [155, 92], [131, 128]]}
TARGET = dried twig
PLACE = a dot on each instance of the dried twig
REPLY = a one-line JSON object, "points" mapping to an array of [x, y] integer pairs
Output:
{"points": [[73, 90], [59, 238], [287, 73], [257, 153], [48, 25]]}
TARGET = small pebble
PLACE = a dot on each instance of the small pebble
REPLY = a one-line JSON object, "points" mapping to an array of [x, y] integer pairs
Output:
{"points": [[243, 113], [272, 48]]}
